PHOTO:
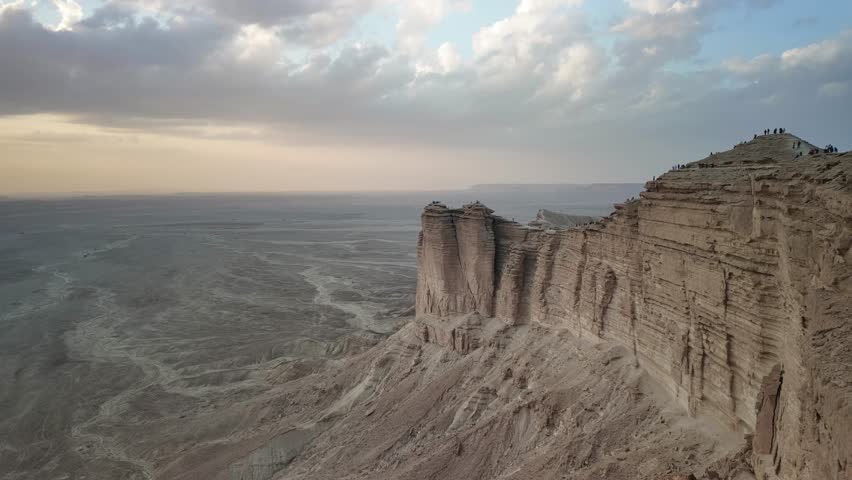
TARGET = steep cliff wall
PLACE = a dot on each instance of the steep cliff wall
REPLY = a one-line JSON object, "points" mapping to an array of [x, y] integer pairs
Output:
{"points": [[730, 281], [455, 271]]}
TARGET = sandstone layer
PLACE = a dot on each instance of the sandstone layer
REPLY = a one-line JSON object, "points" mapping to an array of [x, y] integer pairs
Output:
{"points": [[728, 281]]}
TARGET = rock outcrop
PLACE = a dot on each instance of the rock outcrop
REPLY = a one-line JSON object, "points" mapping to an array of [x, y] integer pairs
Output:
{"points": [[549, 219], [455, 273], [729, 281]]}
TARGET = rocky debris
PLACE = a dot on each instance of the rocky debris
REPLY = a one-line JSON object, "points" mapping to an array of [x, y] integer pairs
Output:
{"points": [[528, 402], [729, 279]]}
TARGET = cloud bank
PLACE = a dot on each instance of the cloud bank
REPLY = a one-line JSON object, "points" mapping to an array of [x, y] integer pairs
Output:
{"points": [[544, 80]]}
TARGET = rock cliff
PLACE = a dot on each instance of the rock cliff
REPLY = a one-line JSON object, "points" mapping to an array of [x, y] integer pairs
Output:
{"points": [[729, 280], [455, 270]]}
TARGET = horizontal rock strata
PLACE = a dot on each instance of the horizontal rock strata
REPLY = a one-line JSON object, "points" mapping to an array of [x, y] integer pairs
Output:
{"points": [[729, 280]]}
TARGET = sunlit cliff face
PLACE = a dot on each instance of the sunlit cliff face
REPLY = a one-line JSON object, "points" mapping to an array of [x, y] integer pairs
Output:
{"points": [[209, 95]]}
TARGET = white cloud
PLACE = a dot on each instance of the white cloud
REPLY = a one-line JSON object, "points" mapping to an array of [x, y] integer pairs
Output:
{"points": [[656, 7], [526, 45], [418, 17], [754, 66], [816, 54], [650, 6], [578, 67], [255, 43], [70, 12], [536, 23], [656, 32], [658, 18], [9, 6], [534, 6], [443, 61], [448, 57]]}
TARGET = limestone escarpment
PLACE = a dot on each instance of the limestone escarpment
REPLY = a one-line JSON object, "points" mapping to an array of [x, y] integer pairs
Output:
{"points": [[729, 280]]}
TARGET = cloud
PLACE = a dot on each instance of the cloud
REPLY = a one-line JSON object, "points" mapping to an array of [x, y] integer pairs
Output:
{"points": [[306, 22], [656, 18], [659, 31], [528, 43], [417, 17], [578, 67], [70, 13], [449, 59], [834, 89], [110, 15], [540, 80], [818, 54], [652, 7], [255, 43], [750, 67], [10, 6], [824, 62]]}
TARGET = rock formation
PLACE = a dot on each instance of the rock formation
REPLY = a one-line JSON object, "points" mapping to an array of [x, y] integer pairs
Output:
{"points": [[456, 272], [728, 280], [549, 219], [527, 402]]}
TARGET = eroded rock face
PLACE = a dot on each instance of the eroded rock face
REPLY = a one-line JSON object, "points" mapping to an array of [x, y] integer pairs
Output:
{"points": [[461, 335], [455, 256], [720, 277]]}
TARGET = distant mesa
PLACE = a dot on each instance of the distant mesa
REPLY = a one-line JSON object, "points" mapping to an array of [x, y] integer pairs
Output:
{"points": [[549, 219], [553, 187]]}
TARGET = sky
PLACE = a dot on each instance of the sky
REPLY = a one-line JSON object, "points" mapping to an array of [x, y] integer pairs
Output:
{"points": [[159, 96]]}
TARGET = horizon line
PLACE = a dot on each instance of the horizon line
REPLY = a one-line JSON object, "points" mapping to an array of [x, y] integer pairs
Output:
{"points": [[131, 193]]}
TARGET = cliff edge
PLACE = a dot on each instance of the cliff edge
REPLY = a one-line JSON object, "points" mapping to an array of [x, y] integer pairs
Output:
{"points": [[728, 280]]}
